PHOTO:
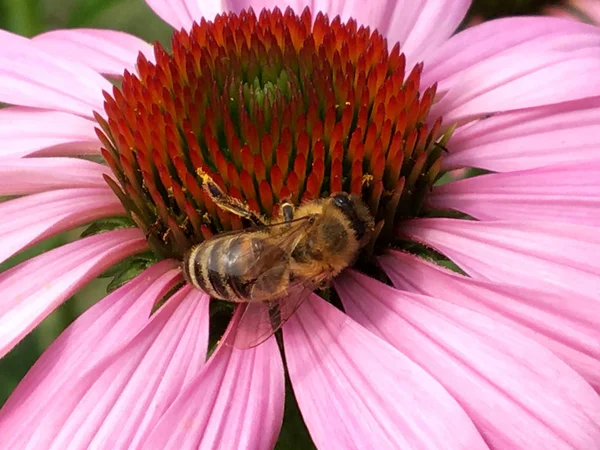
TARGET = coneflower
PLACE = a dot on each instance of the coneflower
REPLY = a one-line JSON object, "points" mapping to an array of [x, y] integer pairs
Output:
{"points": [[472, 321]]}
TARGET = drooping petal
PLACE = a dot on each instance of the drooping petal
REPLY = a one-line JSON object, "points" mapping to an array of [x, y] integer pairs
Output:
{"points": [[28, 131], [564, 193], [505, 82], [106, 51], [95, 335], [557, 257], [530, 138], [518, 393], [482, 43], [32, 77], [33, 289], [356, 392], [235, 402], [31, 175], [27, 220], [116, 402], [569, 326]]}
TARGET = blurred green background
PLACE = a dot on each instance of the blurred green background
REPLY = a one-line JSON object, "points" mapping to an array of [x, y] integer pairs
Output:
{"points": [[30, 17]]}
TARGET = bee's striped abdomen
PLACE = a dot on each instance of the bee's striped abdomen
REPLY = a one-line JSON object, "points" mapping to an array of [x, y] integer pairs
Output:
{"points": [[240, 252], [194, 268], [215, 268], [220, 266]]}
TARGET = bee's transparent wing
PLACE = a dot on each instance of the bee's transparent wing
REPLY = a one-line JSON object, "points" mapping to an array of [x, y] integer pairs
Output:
{"points": [[260, 320], [250, 257]]}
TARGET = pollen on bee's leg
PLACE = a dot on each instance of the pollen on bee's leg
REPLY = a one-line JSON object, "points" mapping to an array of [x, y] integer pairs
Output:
{"points": [[249, 111]]}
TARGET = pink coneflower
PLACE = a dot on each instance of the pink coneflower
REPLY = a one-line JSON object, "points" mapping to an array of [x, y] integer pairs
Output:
{"points": [[406, 354]]}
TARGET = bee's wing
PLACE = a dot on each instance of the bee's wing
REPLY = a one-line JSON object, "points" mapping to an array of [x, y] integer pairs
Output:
{"points": [[251, 258], [260, 320]]}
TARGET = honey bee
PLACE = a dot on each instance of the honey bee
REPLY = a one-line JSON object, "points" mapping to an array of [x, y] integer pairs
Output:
{"points": [[272, 267]]}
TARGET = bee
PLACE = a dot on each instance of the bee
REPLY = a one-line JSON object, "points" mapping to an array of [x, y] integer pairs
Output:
{"points": [[272, 267]]}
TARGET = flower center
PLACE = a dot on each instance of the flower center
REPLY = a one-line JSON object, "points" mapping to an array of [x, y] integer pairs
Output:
{"points": [[276, 107]]}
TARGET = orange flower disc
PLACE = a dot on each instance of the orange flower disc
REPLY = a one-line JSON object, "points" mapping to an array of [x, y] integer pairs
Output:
{"points": [[273, 107]]}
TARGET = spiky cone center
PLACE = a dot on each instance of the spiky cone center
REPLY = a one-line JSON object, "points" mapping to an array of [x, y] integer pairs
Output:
{"points": [[273, 107]]}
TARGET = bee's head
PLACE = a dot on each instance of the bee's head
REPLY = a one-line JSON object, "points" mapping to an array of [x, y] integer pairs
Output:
{"points": [[357, 214]]}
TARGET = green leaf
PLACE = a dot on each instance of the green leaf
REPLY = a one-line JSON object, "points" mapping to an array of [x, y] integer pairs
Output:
{"points": [[128, 269], [141, 260], [166, 297], [450, 265], [103, 225], [122, 278]]}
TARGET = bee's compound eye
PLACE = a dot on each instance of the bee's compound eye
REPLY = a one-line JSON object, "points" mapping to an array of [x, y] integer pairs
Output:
{"points": [[341, 200], [345, 203]]}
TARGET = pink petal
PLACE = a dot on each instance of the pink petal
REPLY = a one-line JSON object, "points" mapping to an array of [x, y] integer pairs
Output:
{"points": [[483, 43], [32, 175], [27, 220], [355, 391], [591, 8], [518, 393], [116, 402], [30, 76], [105, 51], [435, 23], [92, 338], [564, 193], [33, 289], [236, 402], [177, 13], [535, 137], [556, 257], [198, 9], [570, 327], [505, 82], [27, 131]]}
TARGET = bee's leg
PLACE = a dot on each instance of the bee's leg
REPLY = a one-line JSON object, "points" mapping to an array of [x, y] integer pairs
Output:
{"points": [[287, 211], [228, 203]]}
